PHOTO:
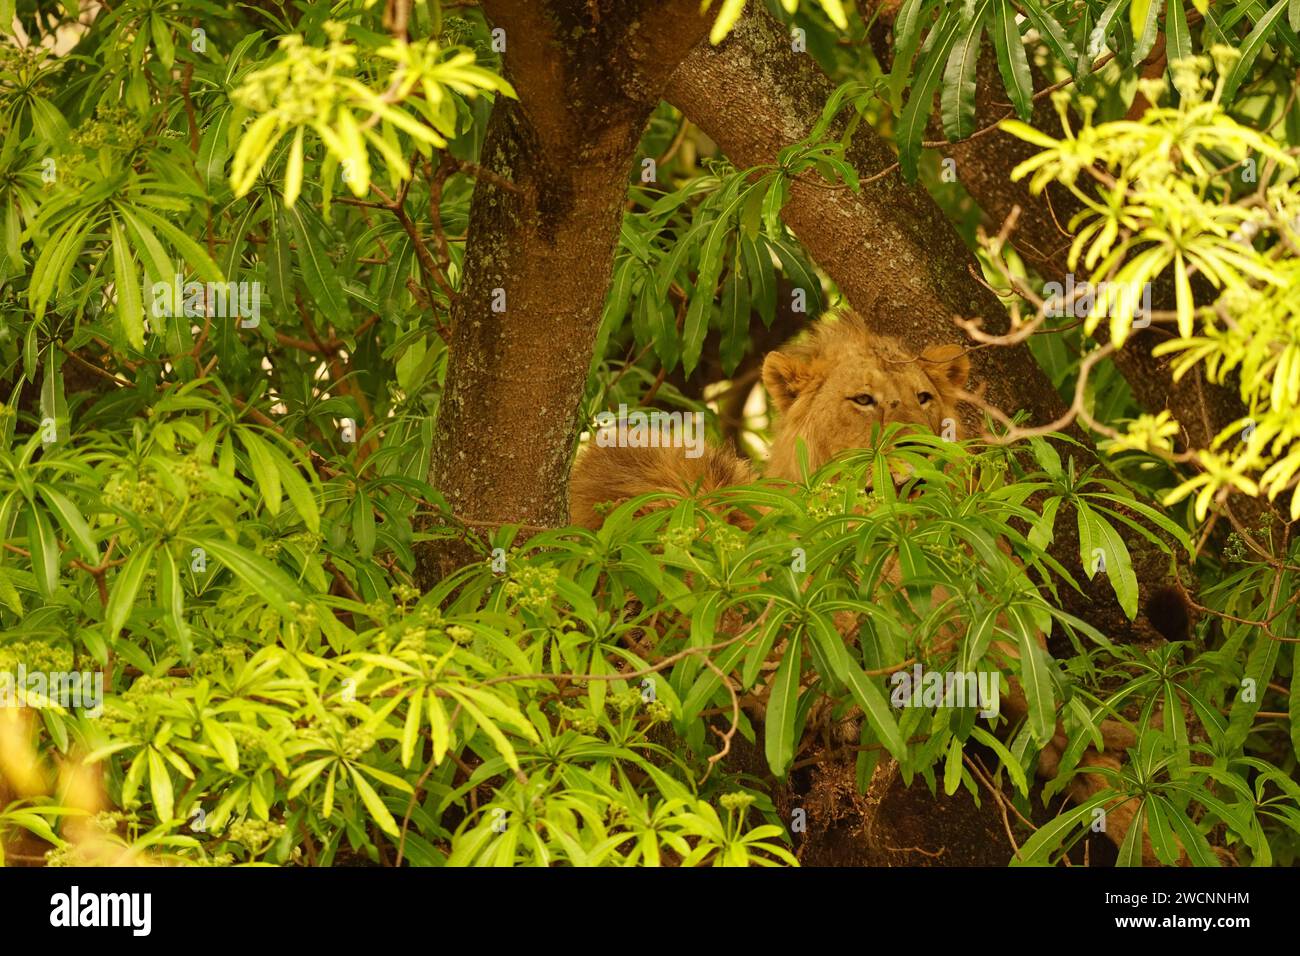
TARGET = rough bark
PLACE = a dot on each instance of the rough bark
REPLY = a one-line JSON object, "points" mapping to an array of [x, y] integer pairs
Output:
{"points": [[540, 250], [889, 248]]}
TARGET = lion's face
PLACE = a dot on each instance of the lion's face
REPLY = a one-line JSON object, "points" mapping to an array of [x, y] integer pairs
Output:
{"points": [[838, 386]]}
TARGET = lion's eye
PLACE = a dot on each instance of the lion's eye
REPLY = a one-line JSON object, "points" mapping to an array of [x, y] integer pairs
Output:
{"points": [[925, 398], [865, 400]]}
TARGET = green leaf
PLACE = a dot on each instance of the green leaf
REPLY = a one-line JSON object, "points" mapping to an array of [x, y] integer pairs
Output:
{"points": [[363, 525], [171, 599], [1144, 18], [1157, 828], [69, 516], [160, 785], [757, 266], [1095, 533], [916, 114], [278, 258], [157, 264], [798, 272], [162, 41], [1013, 62], [735, 321], [126, 284], [957, 103], [1250, 49], [783, 708], [253, 151], [710, 267], [876, 710], [1193, 841], [214, 148], [411, 727], [125, 586], [1130, 851], [263, 577], [907, 36], [194, 254], [318, 272], [55, 260], [300, 493], [1051, 834], [1106, 24], [1035, 677], [374, 806], [494, 734], [261, 458], [44, 548], [9, 593], [1012, 765], [1260, 664], [1293, 702], [952, 767], [1178, 40], [1044, 527], [1053, 34], [48, 121], [223, 741], [293, 170], [54, 401]]}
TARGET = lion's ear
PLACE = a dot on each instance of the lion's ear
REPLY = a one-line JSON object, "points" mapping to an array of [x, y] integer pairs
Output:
{"points": [[787, 377], [947, 366]]}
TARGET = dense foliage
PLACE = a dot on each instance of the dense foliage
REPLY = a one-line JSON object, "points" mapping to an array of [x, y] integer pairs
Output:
{"points": [[217, 506]]}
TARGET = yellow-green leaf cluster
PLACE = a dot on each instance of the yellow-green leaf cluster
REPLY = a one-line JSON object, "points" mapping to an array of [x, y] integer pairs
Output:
{"points": [[1169, 194]]}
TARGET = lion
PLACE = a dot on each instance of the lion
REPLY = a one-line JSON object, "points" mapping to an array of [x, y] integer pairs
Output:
{"points": [[830, 388], [833, 389]]}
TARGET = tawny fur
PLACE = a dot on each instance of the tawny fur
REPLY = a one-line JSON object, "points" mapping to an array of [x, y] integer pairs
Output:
{"points": [[812, 383], [610, 476]]}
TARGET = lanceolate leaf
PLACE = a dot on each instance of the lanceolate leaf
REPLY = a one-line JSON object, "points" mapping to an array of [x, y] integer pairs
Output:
{"points": [[1178, 40], [782, 709], [126, 285], [1012, 60], [1261, 34], [916, 114], [44, 549], [958, 99], [1145, 20], [124, 588], [1052, 33], [318, 272]]}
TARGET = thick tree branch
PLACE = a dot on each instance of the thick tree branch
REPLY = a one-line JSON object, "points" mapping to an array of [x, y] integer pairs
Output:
{"points": [[539, 254], [888, 248]]}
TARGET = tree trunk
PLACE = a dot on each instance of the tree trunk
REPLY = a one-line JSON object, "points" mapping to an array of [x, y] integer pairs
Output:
{"points": [[542, 235]]}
